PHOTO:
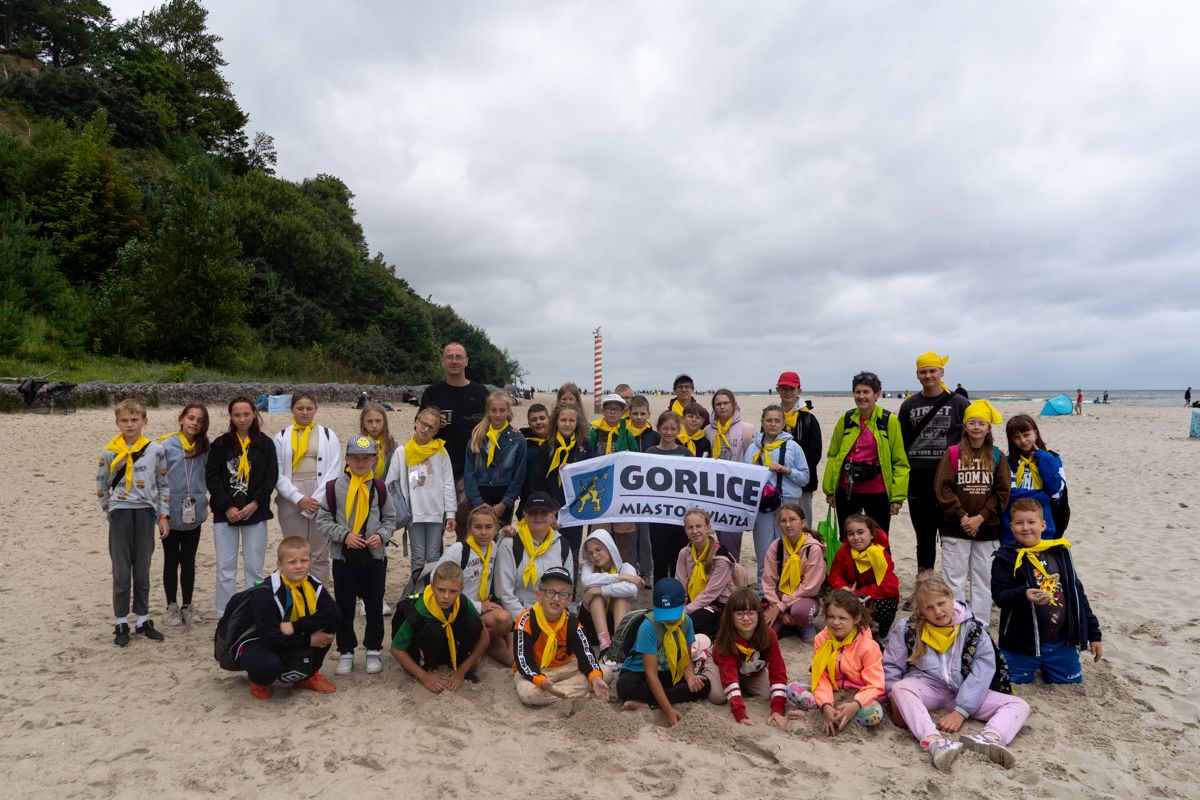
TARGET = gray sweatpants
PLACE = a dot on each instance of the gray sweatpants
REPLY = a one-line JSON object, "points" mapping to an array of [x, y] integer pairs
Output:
{"points": [[130, 547]]}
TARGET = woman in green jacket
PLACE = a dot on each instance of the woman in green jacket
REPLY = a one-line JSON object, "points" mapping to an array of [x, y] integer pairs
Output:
{"points": [[867, 468]]}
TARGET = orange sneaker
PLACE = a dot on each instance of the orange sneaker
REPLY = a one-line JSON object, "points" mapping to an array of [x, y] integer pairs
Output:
{"points": [[262, 691], [317, 682]]}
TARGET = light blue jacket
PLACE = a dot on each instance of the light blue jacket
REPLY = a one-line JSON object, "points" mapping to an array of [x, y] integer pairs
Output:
{"points": [[792, 485]]}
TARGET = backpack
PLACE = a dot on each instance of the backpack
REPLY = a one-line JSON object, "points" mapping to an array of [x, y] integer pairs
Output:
{"points": [[626, 633], [1060, 508], [741, 578], [975, 631], [361, 557], [952, 451], [406, 611], [881, 426], [427, 573], [233, 627], [772, 495]]}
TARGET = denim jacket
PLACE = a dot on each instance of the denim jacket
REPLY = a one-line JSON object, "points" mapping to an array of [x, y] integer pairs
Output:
{"points": [[507, 469]]}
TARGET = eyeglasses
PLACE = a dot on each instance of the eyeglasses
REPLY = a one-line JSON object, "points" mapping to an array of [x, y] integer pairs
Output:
{"points": [[555, 594], [746, 612], [422, 425]]}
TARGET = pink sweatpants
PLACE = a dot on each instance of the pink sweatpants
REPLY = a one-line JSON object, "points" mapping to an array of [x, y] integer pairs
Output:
{"points": [[913, 697], [802, 612]]}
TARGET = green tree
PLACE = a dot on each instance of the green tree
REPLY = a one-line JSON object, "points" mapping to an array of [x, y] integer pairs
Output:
{"points": [[66, 29]]}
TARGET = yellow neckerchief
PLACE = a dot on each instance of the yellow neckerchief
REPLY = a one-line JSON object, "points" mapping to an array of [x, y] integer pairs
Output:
{"points": [[637, 430], [747, 652], [243, 468], [792, 570], [1035, 476], [304, 596], [124, 453], [825, 660], [493, 435], [675, 648], [435, 611], [190, 447], [939, 637], [380, 460], [300, 442], [536, 439], [486, 558], [529, 576], [415, 453], [871, 558], [550, 646], [689, 440], [790, 418], [358, 501], [1044, 544], [763, 456], [560, 454], [699, 576], [677, 407], [611, 430], [721, 440]]}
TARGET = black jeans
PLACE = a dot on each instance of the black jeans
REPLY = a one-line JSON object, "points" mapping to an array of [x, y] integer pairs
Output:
{"points": [[665, 543], [179, 563], [265, 666], [875, 506], [352, 583], [926, 514], [633, 686], [430, 649]]}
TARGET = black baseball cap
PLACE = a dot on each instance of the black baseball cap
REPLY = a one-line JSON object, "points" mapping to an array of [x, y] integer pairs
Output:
{"points": [[539, 501], [555, 574], [683, 378]]}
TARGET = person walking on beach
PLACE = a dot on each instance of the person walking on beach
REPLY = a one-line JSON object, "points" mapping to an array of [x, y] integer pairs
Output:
{"points": [[930, 421], [1187, 396], [1079, 402], [462, 405]]}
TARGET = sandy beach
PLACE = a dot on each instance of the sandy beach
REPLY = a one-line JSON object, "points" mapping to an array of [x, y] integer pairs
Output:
{"points": [[86, 719]]}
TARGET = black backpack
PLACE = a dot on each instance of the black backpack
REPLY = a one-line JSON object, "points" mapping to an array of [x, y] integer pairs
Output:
{"points": [[975, 631], [233, 627], [625, 636]]}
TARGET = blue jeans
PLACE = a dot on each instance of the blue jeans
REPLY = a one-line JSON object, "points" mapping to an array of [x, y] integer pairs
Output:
{"points": [[1059, 663], [426, 540]]}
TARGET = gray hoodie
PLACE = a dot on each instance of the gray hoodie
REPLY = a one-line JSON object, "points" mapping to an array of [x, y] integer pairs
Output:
{"points": [[332, 523], [149, 490], [511, 592], [186, 479]]}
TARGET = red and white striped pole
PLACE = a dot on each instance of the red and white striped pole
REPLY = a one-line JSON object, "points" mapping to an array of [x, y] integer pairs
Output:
{"points": [[597, 368]]}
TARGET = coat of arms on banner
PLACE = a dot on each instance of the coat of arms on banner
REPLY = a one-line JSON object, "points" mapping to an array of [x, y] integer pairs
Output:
{"points": [[593, 492]]}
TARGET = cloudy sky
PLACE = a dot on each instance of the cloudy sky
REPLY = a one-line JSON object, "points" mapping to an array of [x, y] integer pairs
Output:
{"points": [[732, 189]]}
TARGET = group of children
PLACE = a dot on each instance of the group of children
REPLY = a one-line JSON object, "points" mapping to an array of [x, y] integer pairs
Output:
{"points": [[513, 586]]}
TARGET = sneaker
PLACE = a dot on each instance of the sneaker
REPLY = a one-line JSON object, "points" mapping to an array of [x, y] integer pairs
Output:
{"points": [[191, 615], [360, 610], [386, 608], [262, 691], [121, 634], [374, 665], [993, 749], [173, 615], [800, 696], [316, 682], [148, 630], [943, 752], [345, 664]]}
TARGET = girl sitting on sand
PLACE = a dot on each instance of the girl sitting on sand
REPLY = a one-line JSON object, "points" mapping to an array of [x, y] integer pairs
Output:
{"points": [[923, 669], [1037, 473], [746, 656], [863, 565], [706, 570], [793, 574], [476, 556], [608, 584], [846, 663]]}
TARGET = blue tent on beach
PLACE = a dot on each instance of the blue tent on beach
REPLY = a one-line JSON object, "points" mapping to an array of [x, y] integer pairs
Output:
{"points": [[1057, 406]]}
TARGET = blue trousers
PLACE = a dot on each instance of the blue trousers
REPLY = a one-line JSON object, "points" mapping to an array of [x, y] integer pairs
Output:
{"points": [[1059, 663]]}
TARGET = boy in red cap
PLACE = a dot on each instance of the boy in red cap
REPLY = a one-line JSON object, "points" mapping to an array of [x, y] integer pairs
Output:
{"points": [[801, 423]]}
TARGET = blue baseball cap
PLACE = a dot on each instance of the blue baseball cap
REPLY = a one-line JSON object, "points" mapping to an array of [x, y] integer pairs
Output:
{"points": [[669, 600]]}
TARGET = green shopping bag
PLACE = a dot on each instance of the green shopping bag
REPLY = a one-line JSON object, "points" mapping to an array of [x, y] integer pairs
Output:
{"points": [[830, 535]]}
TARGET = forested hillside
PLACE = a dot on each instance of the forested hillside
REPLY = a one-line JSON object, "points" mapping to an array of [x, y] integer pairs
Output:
{"points": [[140, 219]]}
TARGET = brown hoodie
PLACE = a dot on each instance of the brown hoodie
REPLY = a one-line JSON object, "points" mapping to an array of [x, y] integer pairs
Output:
{"points": [[972, 489]]}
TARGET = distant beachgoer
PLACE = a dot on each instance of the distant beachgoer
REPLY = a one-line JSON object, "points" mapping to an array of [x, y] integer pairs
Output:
{"points": [[1187, 396], [1079, 402], [959, 390]]}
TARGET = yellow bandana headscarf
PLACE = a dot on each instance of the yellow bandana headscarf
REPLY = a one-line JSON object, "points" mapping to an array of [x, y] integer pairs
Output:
{"points": [[763, 456], [721, 441], [243, 467], [486, 558], [792, 571], [1035, 476], [188, 447], [689, 440], [358, 502], [1044, 544], [300, 442], [611, 430], [932, 359], [550, 631], [529, 576], [493, 436], [872, 559], [675, 648], [431, 605], [825, 660], [304, 597], [416, 453], [124, 456], [560, 454], [699, 577], [982, 409], [939, 637]]}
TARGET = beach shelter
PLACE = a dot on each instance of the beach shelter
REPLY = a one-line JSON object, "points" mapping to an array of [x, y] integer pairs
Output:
{"points": [[1057, 406]]}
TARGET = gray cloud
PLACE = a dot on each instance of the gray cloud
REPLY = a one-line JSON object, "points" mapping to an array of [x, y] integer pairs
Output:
{"points": [[741, 189]]}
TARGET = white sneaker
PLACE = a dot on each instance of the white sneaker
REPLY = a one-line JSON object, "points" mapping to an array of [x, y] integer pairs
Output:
{"points": [[345, 664], [386, 608], [360, 610], [173, 618], [994, 750], [942, 753], [374, 665], [191, 615]]}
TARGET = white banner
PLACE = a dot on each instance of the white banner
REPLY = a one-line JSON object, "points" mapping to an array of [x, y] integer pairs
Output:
{"points": [[638, 487]]}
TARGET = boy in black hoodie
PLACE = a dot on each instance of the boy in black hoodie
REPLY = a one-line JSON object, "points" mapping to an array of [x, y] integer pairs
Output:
{"points": [[1045, 617]]}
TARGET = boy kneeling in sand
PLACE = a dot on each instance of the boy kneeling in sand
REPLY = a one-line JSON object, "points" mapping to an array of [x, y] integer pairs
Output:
{"points": [[440, 628], [294, 620], [553, 659]]}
